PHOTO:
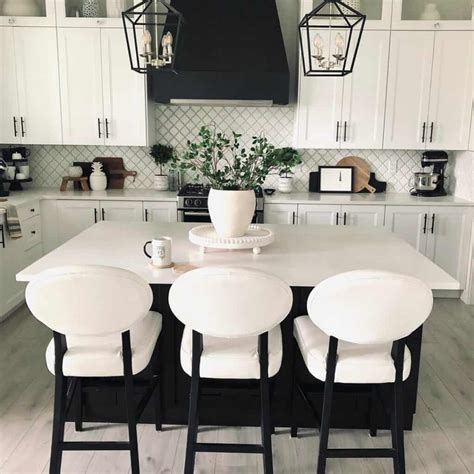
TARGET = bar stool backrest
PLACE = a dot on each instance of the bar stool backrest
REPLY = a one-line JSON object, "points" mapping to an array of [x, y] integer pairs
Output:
{"points": [[88, 300], [370, 306], [230, 302]]}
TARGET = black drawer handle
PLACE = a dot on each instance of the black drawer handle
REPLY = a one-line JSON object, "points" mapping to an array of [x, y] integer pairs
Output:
{"points": [[337, 218], [345, 218], [425, 223], [32, 210], [33, 232], [432, 224]]}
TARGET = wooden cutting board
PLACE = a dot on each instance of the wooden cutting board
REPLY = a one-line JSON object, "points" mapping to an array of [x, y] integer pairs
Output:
{"points": [[361, 173], [115, 171]]}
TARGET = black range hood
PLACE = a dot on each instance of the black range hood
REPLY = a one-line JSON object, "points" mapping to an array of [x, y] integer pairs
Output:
{"points": [[229, 51]]}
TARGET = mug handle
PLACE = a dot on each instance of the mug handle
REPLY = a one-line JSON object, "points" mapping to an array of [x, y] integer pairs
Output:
{"points": [[144, 249]]}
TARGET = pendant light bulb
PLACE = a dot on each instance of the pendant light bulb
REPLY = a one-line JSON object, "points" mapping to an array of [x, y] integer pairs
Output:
{"points": [[146, 42], [339, 41], [318, 45]]}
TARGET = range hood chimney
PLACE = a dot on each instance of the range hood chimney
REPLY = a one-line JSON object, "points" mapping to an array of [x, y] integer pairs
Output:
{"points": [[230, 53]]}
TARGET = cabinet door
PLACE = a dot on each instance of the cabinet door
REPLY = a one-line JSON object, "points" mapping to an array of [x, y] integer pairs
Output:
{"points": [[9, 108], [39, 13], [160, 212], [123, 211], [410, 223], [451, 91], [280, 213], [408, 89], [319, 214], [81, 86], [363, 216], [38, 85], [363, 109], [124, 93], [448, 240], [74, 217]]}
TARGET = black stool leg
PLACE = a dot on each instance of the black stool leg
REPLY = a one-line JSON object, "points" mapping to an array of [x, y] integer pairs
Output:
{"points": [[157, 397], [266, 425], [78, 423], [327, 402], [130, 401], [398, 351], [372, 413], [294, 426], [58, 423], [193, 419]]}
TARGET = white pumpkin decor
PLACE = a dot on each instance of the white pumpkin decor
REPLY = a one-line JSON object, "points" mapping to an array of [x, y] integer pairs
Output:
{"points": [[75, 172], [97, 179]]}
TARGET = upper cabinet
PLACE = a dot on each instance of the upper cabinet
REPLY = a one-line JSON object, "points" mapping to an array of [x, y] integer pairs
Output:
{"points": [[27, 12], [90, 13], [103, 100], [379, 13], [429, 92], [432, 15], [29, 58]]}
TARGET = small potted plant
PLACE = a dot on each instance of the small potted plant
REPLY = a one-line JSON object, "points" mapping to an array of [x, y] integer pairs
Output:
{"points": [[162, 155], [233, 172], [286, 159]]}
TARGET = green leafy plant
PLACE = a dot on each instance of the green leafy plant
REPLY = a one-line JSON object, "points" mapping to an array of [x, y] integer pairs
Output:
{"points": [[162, 155], [225, 163], [286, 158]]}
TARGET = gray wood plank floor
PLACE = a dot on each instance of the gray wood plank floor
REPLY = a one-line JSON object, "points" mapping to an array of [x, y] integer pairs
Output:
{"points": [[442, 439]]}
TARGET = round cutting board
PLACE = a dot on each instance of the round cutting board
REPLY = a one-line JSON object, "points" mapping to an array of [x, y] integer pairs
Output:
{"points": [[361, 173]]}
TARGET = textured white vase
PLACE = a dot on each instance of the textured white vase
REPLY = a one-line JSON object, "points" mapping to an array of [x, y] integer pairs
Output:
{"points": [[90, 8], [161, 182], [231, 211], [285, 184], [20, 8], [430, 12], [98, 181], [355, 4], [115, 8]]}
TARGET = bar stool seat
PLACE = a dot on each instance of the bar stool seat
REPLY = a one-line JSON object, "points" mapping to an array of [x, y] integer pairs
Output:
{"points": [[238, 358], [356, 363], [101, 356]]}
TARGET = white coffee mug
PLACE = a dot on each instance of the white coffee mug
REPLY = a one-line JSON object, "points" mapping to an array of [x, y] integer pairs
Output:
{"points": [[25, 169], [11, 172], [160, 251], [20, 176]]}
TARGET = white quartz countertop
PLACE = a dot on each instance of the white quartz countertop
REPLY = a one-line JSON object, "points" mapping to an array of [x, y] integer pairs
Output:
{"points": [[300, 255]]}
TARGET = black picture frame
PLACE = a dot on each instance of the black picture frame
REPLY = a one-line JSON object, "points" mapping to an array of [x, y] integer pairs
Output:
{"points": [[323, 189]]}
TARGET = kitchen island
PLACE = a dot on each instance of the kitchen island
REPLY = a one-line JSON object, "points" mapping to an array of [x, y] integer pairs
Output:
{"points": [[302, 256]]}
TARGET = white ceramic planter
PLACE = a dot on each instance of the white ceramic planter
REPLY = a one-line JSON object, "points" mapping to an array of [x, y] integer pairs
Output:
{"points": [[98, 182], [75, 172], [161, 182], [430, 13], [285, 184], [231, 211]]}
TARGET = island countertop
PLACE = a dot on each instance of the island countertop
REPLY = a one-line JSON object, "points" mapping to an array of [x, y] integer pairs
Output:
{"points": [[302, 256]]}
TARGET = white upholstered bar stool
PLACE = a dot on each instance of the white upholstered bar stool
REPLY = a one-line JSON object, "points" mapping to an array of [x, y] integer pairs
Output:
{"points": [[355, 333], [232, 331], [102, 327]]}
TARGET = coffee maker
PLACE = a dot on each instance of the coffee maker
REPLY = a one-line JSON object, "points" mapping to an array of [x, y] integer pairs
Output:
{"points": [[431, 183]]}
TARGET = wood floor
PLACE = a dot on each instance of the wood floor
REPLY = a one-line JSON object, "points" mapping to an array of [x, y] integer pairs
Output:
{"points": [[442, 439]]}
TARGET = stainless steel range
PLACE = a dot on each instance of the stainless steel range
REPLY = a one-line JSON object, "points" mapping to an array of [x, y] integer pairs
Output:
{"points": [[192, 204]]}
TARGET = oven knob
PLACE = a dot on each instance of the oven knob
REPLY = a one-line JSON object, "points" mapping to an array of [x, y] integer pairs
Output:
{"points": [[188, 202], [197, 203]]}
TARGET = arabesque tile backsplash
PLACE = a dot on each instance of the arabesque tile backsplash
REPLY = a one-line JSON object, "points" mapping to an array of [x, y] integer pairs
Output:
{"points": [[176, 124]]}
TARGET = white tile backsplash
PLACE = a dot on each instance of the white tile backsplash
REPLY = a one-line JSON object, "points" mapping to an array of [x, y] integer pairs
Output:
{"points": [[176, 124]]}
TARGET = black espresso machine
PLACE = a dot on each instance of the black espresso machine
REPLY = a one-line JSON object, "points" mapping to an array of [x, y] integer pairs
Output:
{"points": [[432, 182]]}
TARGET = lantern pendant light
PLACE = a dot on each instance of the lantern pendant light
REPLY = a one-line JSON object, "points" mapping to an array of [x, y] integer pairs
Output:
{"points": [[329, 39]]}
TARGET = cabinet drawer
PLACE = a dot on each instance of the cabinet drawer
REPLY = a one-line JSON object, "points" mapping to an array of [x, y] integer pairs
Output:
{"points": [[31, 230], [25, 211]]}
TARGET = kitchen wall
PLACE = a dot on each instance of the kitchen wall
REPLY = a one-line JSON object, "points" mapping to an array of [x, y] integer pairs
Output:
{"points": [[176, 124], [463, 175]]}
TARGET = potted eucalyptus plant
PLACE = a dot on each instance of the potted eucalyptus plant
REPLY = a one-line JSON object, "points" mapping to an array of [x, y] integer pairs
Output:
{"points": [[233, 173], [287, 158], [162, 155]]}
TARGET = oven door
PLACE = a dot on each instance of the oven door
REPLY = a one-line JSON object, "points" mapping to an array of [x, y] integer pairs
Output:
{"points": [[193, 215]]}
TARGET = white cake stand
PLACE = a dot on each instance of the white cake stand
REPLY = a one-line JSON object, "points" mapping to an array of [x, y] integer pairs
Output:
{"points": [[256, 237]]}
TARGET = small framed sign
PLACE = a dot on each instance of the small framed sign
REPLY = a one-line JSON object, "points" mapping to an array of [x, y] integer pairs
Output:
{"points": [[336, 179]]}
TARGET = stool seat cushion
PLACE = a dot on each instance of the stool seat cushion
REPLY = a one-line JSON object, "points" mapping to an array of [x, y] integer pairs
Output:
{"points": [[101, 356], [356, 363], [232, 358]]}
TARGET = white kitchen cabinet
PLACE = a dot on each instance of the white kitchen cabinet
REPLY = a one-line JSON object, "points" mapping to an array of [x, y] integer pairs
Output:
{"points": [[328, 214], [160, 211], [31, 110], [43, 13], [363, 215], [121, 211], [319, 214], [280, 213], [410, 223], [103, 100], [74, 216]]}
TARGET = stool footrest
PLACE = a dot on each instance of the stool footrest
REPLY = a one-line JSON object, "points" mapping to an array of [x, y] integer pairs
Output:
{"points": [[95, 446], [360, 453], [228, 448]]}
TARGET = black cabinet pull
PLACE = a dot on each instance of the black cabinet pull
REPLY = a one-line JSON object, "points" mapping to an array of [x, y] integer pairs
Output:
{"points": [[146, 215], [345, 218], [98, 128], [22, 123], [33, 232], [95, 215], [2, 233], [293, 219], [32, 209], [15, 130], [432, 224], [431, 132], [337, 218], [424, 223], [337, 131], [345, 131], [106, 128], [103, 214], [424, 132]]}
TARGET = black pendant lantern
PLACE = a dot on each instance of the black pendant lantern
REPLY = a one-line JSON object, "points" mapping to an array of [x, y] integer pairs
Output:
{"points": [[152, 30], [329, 39]]}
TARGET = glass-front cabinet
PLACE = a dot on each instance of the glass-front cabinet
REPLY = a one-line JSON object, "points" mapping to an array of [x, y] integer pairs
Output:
{"points": [[432, 15], [83, 13], [27, 12]]}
